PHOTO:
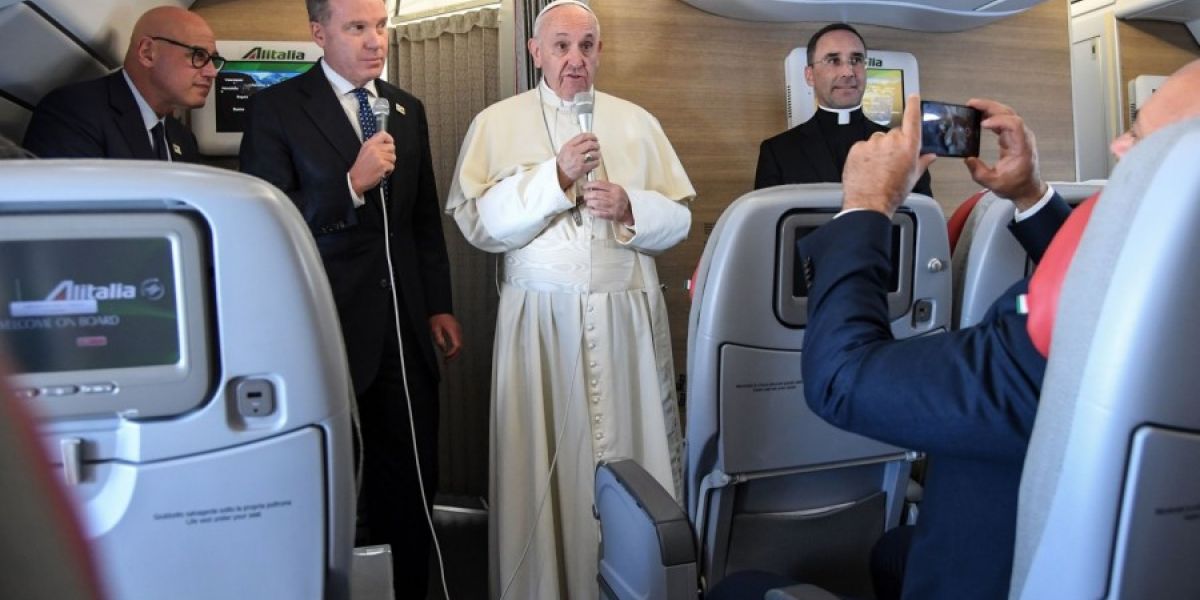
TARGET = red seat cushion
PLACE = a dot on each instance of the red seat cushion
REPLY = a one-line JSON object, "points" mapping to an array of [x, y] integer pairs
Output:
{"points": [[957, 220], [1046, 283]]}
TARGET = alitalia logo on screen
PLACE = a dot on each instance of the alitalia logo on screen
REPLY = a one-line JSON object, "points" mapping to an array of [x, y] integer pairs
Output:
{"points": [[874, 63], [260, 53], [69, 290]]}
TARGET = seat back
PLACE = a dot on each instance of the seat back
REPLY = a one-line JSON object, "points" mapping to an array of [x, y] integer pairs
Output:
{"points": [[770, 485], [958, 220], [175, 329], [987, 258], [1108, 502]]}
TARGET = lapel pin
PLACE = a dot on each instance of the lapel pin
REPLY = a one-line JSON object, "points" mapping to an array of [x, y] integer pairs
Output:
{"points": [[178, 151], [400, 109]]}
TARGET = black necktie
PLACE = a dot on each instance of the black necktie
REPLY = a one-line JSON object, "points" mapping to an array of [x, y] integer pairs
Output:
{"points": [[158, 134], [366, 121]]}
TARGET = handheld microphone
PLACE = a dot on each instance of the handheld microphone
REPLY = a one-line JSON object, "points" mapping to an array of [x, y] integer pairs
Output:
{"points": [[381, 108], [584, 103]]}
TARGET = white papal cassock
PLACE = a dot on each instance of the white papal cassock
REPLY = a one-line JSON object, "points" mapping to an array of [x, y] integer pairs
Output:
{"points": [[582, 358]]}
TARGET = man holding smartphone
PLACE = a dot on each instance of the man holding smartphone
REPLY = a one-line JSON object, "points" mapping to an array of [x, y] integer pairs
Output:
{"points": [[815, 151], [967, 398]]}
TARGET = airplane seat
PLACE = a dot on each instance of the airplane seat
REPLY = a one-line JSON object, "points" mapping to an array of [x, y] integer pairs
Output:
{"points": [[770, 486], [173, 328], [988, 259], [1108, 501], [957, 221]]}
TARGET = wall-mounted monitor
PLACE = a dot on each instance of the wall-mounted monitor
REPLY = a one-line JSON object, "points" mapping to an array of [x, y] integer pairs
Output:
{"points": [[249, 67], [107, 313], [890, 77]]}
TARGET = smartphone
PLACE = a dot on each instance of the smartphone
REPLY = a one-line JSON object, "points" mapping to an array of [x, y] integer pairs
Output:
{"points": [[949, 129]]}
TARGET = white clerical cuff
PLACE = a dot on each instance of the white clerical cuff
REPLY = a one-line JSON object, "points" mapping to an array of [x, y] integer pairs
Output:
{"points": [[358, 200], [1020, 215]]}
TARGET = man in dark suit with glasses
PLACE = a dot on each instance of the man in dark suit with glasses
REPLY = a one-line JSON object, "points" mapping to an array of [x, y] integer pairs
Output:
{"points": [[170, 65]]}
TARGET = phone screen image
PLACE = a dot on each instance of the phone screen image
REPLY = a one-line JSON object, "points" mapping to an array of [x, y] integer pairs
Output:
{"points": [[949, 129]]}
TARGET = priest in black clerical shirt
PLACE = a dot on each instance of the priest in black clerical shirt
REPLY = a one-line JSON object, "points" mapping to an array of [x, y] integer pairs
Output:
{"points": [[815, 151]]}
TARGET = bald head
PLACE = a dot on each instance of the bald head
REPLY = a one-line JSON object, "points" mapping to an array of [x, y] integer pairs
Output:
{"points": [[1177, 100], [166, 21], [161, 59]]}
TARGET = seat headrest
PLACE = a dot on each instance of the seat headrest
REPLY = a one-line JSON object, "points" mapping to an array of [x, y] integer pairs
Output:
{"points": [[1047, 279], [958, 220]]}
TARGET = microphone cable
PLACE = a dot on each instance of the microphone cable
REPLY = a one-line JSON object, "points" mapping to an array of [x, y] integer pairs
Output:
{"points": [[425, 505], [563, 423]]}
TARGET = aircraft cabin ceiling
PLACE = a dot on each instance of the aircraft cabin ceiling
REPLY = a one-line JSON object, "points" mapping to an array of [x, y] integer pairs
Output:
{"points": [[53, 42], [1183, 11], [916, 15]]}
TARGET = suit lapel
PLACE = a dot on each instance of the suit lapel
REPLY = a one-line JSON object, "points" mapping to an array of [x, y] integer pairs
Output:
{"points": [[817, 151], [323, 107], [129, 117]]}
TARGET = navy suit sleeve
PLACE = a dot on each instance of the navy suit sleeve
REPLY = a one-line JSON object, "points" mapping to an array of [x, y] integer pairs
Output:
{"points": [[767, 173], [1035, 233], [60, 129], [970, 393], [427, 229]]}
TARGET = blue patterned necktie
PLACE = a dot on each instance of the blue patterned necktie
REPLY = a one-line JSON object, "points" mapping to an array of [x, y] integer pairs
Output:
{"points": [[366, 121]]}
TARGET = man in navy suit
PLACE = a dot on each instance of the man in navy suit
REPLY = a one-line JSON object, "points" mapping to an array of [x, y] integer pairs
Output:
{"points": [[170, 65], [313, 137], [967, 398], [815, 151]]}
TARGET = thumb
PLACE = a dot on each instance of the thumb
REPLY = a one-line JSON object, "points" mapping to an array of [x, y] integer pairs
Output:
{"points": [[979, 170]]}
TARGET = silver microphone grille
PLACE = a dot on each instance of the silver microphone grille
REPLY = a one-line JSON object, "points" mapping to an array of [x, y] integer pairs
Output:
{"points": [[381, 108], [584, 103]]}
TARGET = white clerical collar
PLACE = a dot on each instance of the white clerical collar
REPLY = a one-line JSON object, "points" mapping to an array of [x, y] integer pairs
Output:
{"points": [[149, 117], [341, 85], [550, 98], [843, 114]]}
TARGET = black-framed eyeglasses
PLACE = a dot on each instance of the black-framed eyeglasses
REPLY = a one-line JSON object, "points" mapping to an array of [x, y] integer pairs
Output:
{"points": [[200, 56], [835, 61]]}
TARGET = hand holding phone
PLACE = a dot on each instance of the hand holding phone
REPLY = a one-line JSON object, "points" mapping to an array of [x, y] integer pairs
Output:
{"points": [[949, 129]]}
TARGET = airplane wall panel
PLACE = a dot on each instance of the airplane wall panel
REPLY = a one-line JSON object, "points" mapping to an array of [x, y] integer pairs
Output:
{"points": [[13, 120], [104, 25], [49, 58]]}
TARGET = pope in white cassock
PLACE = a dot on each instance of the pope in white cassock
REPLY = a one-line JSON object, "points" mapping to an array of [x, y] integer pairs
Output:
{"points": [[582, 360]]}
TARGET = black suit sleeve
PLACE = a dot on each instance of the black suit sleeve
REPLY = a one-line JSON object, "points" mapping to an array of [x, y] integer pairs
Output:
{"points": [[427, 229], [970, 393], [267, 152], [59, 129], [767, 173], [923, 186]]}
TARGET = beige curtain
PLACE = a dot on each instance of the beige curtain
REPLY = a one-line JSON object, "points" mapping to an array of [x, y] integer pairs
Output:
{"points": [[450, 63]]}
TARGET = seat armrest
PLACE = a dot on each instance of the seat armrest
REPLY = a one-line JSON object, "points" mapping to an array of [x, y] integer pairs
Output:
{"points": [[676, 540], [647, 548]]}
